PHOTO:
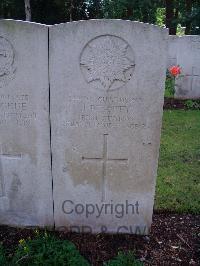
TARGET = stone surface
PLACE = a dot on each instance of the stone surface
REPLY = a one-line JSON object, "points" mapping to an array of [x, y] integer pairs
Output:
{"points": [[107, 85], [185, 51], [25, 168]]}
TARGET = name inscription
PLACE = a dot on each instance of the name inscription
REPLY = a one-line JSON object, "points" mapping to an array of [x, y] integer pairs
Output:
{"points": [[106, 112], [16, 110]]}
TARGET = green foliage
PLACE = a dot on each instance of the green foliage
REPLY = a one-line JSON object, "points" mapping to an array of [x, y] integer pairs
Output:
{"points": [[178, 186], [12, 9], [180, 30], [192, 17], [141, 10], [47, 250], [160, 16], [169, 86], [3, 261], [193, 104], [95, 9], [150, 11], [124, 259]]}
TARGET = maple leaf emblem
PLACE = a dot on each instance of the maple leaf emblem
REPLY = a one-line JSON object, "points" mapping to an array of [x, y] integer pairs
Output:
{"points": [[106, 60], [7, 67]]}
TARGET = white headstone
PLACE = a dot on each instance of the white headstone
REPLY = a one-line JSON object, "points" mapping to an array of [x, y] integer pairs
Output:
{"points": [[107, 85], [185, 51], [25, 168]]}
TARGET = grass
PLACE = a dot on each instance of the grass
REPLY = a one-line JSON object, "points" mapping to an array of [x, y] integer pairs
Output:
{"points": [[178, 182]]}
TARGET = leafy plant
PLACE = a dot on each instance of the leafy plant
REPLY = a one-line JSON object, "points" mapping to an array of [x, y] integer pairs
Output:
{"points": [[173, 73], [2, 256], [169, 87], [47, 250], [192, 104], [160, 16], [123, 259]]}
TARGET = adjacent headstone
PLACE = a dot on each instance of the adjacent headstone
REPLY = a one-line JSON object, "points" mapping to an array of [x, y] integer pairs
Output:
{"points": [[107, 85], [185, 51], [25, 168]]}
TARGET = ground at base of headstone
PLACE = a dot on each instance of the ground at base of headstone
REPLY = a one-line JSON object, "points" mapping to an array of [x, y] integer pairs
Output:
{"points": [[189, 104], [174, 240]]}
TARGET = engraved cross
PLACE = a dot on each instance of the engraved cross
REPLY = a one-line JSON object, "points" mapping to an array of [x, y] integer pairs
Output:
{"points": [[104, 160], [192, 75]]}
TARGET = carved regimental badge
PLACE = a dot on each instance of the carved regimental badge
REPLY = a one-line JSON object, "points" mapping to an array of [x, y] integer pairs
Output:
{"points": [[107, 62], [7, 68]]}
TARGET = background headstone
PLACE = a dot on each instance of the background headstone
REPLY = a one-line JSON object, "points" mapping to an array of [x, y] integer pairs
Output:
{"points": [[25, 168], [107, 85], [185, 51]]}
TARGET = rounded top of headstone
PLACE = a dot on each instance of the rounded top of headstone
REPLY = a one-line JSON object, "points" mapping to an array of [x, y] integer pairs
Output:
{"points": [[113, 21], [22, 22]]}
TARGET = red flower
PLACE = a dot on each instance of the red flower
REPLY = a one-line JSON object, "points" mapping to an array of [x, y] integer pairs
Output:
{"points": [[175, 70]]}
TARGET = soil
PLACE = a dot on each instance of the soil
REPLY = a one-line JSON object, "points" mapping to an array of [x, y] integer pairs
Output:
{"points": [[174, 240], [171, 103]]}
